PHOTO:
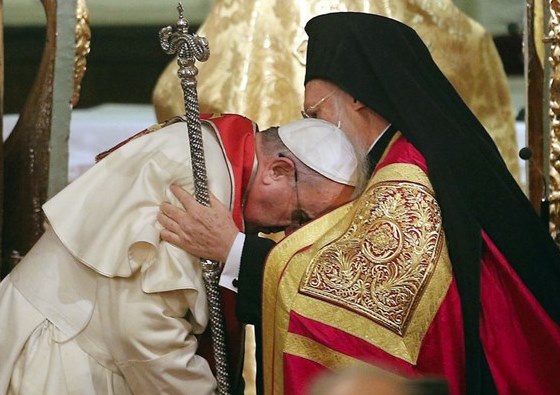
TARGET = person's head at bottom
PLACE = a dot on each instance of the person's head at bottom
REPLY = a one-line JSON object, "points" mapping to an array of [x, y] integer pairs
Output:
{"points": [[305, 169], [373, 380]]}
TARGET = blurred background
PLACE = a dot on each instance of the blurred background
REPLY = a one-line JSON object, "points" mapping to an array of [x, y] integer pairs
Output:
{"points": [[126, 61], [125, 50]]}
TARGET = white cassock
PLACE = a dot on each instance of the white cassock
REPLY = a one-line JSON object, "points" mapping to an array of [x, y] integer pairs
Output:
{"points": [[98, 305]]}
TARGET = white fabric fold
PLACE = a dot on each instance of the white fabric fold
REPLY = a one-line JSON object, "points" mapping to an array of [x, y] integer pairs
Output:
{"points": [[107, 217], [67, 292]]}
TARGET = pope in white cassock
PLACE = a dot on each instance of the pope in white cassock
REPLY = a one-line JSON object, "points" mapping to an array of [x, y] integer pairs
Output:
{"points": [[100, 305]]}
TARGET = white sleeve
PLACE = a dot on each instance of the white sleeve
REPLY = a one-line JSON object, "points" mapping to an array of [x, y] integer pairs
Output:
{"points": [[230, 273]]}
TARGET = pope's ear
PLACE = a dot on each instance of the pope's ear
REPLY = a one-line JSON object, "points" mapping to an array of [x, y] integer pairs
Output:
{"points": [[278, 168]]}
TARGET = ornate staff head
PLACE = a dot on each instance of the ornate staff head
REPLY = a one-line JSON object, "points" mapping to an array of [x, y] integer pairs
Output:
{"points": [[189, 47]]}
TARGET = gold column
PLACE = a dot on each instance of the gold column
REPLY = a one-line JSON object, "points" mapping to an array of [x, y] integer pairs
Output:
{"points": [[551, 142], [534, 77], [36, 152]]}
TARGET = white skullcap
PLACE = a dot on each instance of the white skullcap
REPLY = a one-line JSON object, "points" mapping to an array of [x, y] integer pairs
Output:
{"points": [[323, 147]]}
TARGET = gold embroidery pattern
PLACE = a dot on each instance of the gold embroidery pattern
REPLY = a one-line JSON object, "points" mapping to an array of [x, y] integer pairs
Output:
{"points": [[381, 265]]}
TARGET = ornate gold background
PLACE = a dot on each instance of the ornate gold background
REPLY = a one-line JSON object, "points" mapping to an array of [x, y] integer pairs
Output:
{"points": [[553, 189], [256, 67]]}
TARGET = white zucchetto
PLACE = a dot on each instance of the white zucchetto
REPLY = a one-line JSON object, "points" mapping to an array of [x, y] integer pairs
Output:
{"points": [[323, 147]]}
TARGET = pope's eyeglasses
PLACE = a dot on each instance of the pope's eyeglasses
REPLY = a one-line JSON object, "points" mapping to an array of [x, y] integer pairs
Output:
{"points": [[299, 217]]}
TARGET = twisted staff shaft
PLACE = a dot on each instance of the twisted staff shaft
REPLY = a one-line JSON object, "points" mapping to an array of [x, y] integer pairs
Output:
{"points": [[188, 47]]}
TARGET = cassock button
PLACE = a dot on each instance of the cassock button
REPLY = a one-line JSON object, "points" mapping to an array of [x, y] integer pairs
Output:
{"points": [[235, 283]]}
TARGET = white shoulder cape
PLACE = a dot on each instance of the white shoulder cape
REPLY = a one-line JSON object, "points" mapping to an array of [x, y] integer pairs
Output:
{"points": [[107, 217]]}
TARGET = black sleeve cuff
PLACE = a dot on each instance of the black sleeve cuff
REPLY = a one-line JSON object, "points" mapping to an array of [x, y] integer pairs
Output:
{"points": [[253, 256]]}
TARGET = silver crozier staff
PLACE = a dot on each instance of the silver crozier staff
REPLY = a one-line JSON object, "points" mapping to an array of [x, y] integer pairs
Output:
{"points": [[188, 47]]}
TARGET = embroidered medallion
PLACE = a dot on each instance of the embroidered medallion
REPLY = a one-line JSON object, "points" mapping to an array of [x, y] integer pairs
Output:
{"points": [[381, 265]]}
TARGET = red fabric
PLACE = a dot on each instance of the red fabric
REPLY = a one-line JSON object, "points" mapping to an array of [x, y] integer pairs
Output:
{"points": [[237, 135], [521, 342], [403, 152], [297, 383], [234, 334], [442, 352]]}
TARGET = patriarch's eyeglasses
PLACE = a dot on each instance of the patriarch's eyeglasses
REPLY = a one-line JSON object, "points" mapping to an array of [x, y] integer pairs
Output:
{"points": [[311, 111]]}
